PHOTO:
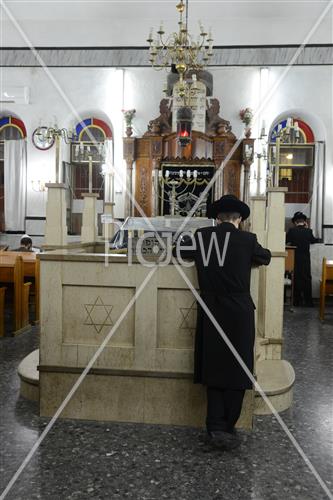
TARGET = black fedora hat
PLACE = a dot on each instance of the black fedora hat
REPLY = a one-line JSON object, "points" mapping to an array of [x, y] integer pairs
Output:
{"points": [[228, 203], [299, 216]]}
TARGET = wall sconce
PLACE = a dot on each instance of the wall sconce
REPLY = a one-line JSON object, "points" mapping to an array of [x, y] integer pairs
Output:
{"points": [[184, 126], [38, 186], [82, 152]]}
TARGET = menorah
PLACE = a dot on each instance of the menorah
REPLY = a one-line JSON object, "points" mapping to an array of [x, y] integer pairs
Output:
{"points": [[181, 190]]}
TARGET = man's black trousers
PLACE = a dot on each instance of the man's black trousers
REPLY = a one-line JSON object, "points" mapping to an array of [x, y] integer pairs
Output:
{"points": [[223, 408]]}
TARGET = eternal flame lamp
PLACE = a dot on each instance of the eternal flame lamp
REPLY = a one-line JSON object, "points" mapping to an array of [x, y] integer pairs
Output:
{"points": [[184, 126]]}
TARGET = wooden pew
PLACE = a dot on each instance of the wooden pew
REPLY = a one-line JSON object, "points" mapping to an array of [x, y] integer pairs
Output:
{"points": [[31, 269], [326, 285], [12, 271], [2, 311], [25, 305]]}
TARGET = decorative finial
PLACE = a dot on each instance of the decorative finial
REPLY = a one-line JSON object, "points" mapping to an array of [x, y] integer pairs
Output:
{"points": [[180, 7]]}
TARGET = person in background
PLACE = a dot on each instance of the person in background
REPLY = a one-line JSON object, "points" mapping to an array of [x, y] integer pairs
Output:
{"points": [[225, 290], [26, 245], [301, 237]]}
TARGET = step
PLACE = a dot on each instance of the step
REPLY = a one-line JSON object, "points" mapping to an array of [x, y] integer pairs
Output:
{"points": [[276, 377], [29, 375]]}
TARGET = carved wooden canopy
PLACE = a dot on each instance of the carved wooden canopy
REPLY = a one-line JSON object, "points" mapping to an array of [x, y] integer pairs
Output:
{"points": [[159, 144]]}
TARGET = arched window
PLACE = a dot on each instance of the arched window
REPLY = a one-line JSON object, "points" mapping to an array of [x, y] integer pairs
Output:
{"points": [[11, 128], [93, 142], [90, 137], [294, 152], [93, 128]]}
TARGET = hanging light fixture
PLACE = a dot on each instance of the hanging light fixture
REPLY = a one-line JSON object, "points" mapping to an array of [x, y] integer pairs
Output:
{"points": [[286, 173], [179, 48]]}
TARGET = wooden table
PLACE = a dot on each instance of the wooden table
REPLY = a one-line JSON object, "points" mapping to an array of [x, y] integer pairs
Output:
{"points": [[14, 268]]}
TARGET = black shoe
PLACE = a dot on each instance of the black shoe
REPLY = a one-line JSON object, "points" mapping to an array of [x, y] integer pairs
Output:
{"points": [[223, 440]]}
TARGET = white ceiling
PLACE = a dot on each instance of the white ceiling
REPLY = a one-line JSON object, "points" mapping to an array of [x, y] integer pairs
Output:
{"points": [[161, 9], [127, 22]]}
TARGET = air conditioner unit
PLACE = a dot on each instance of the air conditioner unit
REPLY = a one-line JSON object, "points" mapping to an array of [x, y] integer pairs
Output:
{"points": [[15, 95]]}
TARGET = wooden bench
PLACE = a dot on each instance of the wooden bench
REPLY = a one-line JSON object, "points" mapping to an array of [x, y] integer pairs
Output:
{"points": [[326, 285], [31, 269], [12, 270]]}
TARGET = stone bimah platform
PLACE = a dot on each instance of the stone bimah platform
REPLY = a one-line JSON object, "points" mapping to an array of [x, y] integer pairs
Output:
{"points": [[145, 372]]}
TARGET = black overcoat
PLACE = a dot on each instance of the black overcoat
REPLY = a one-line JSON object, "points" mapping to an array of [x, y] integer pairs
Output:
{"points": [[302, 237], [226, 292]]}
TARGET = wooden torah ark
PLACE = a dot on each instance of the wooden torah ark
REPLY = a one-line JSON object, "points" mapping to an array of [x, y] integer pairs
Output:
{"points": [[149, 152]]}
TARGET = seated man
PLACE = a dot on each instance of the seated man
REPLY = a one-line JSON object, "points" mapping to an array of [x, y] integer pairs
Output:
{"points": [[26, 245]]}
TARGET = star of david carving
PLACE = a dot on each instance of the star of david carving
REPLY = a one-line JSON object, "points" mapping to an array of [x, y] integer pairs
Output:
{"points": [[98, 315], [189, 316]]}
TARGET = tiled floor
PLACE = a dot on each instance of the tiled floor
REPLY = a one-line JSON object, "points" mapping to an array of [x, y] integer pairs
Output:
{"points": [[89, 460]]}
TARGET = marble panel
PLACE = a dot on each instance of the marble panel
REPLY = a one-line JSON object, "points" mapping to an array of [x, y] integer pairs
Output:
{"points": [[176, 318], [171, 401], [174, 360], [102, 272], [98, 397], [90, 312], [174, 401]]}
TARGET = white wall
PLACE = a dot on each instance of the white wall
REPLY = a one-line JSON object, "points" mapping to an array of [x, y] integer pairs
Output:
{"points": [[78, 93], [306, 91]]}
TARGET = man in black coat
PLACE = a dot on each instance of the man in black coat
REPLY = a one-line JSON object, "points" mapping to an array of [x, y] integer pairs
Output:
{"points": [[301, 237], [225, 290]]}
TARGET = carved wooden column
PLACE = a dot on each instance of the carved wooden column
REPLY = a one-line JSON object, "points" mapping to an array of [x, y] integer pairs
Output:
{"points": [[155, 187], [129, 156], [219, 155], [156, 150], [228, 181]]}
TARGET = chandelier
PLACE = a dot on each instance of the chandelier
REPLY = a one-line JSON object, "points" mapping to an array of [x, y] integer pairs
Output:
{"points": [[180, 49]]}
